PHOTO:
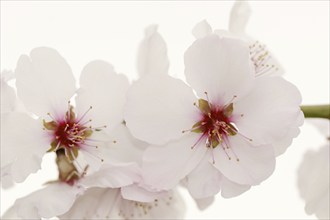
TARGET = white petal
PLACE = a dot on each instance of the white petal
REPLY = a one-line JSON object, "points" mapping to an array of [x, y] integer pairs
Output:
{"points": [[204, 180], [8, 98], [55, 199], [313, 182], [219, 66], [239, 17], [44, 82], [202, 29], [152, 53], [6, 177], [269, 111], [113, 176], [256, 163], [280, 145], [165, 166], [230, 189], [23, 144], [202, 204], [104, 90], [121, 142], [137, 193], [159, 107], [11, 213], [95, 203]]}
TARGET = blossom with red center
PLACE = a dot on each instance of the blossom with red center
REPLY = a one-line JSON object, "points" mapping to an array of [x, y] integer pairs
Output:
{"points": [[222, 132], [54, 121]]}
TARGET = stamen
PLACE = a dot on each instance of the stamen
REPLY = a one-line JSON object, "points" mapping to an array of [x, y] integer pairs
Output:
{"points": [[199, 139], [90, 108]]}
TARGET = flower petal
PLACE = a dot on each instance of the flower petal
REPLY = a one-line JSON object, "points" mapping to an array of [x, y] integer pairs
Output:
{"points": [[204, 180], [55, 199], [95, 203], [23, 144], [202, 29], [239, 17], [219, 66], [158, 108], [163, 167], [137, 193], [152, 53], [6, 178], [313, 182], [230, 189], [269, 111], [104, 90], [256, 163], [8, 98], [44, 82], [113, 176], [202, 204]]}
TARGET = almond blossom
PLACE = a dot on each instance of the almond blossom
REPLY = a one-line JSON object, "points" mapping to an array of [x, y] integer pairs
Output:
{"points": [[45, 84], [313, 175], [220, 135]]}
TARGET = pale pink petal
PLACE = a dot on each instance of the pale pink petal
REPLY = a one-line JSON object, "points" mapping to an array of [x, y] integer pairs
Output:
{"points": [[23, 143], [231, 189], [202, 29], [313, 182], [152, 53], [269, 111], [204, 180], [6, 177], [8, 98], [113, 176], [95, 203], [280, 145], [219, 66], [55, 199], [103, 89], [165, 166], [44, 82], [245, 164], [204, 203], [121, 142], [158, 108], [239, 17], [138, 193]]}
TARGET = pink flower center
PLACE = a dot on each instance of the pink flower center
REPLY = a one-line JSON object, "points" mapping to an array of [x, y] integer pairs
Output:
{"points": [[70, 133]]}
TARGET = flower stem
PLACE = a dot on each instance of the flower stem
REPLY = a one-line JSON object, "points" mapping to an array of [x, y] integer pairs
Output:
{"points": [[316, 111]]}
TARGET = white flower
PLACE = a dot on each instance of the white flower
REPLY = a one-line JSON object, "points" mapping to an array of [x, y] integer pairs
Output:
{"points": [[58, 196], [45, 84], [313, 175], [107, 203], [225, 134], [263, 60], [313, 182], [152, 53]]}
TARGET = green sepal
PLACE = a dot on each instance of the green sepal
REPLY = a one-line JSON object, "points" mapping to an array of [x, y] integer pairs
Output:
{"points": [[88, 133], [53, 146], [215, 142], [231, 130], [228, 111], [204, 106], [52, 125], [198, 128], [71, 115]]}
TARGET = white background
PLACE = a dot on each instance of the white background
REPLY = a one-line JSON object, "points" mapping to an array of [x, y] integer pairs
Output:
{"points": [[296, 31]]}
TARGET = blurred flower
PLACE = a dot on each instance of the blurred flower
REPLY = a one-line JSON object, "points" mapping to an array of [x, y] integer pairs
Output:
{"points": [[107, 203], [152, 54], [313, 175], [59, 196], [45, 84], [263, 60], [223, 138]]}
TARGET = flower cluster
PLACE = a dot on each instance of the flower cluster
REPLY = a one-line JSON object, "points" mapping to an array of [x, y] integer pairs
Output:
{"points": [[122, 149]]}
